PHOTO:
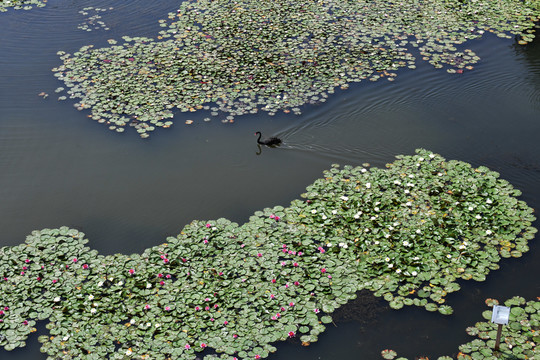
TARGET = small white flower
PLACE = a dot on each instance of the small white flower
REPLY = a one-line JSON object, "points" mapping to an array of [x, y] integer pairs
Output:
{"points": [[390, 228], [390, 266], [478, 217], [376, 242], [489, 201], [406, 243], [148, 324], [410, 184], [471, 208], [395, 224], [418, 231], [90, 297], [406, 191], [65, 338], [148, 285], [329, 245], [462, 246], [387, 235], [414, 273], [132, 321], [417, 164], [324, 217], [344, 198], [416, 258], [93, 310], [376, 209], [397, 182], [128, 352], [488, 232], [368, 185], [421, 159], [363, 170], [95, 304], [341, 244], [157, 325], [357, 215], [366, 230], [373, 218], [431, 156], [345, 246], [449, 256], [100, 284], [439, 174], [314, 211], [408, 203], [57, 299], [334, 211], [411, 176], [120, 283], [387, 259], [398, 271]]}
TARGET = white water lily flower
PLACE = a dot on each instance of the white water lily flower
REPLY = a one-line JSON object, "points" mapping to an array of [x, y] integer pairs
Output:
{"points": [[488, 232], [148, 285], [387, 259], [65, 338], [128, 352], [324, 217], [411, 175], [406, 243], [344, 198], [408, 203], [100, 284], [314, 211], [93, 310], [376, 209], [368, 185], [363, 170], [397, 182], [357, 215], [410, 184], [489, 201], [439, 174], [345, 246], [341, 244], [390, 228], [416, 258], [406, 191], [390, 266], [462, 246], [376, 242], [418, 231], [334, 211], [414, 273], [387, 235], [132, 321], [449, 256], [329, 245], [398, 271], [373, 218], [431, 156], [148, 324], [478, 217], [56, 299], [471, 208], [120, 283], [421, 159], [90, 297]]}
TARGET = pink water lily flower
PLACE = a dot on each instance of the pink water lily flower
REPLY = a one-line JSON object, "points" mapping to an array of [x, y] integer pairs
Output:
{"points": [[291, 333], [187, 346]]}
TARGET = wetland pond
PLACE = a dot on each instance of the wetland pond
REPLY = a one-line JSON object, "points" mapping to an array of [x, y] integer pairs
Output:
{"points": [[127, 194]]}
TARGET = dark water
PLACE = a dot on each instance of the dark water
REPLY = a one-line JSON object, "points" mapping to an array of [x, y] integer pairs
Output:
{"points": [[57, 167]]}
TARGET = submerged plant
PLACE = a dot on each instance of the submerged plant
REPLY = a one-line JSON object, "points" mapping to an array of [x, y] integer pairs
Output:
{"points": [[407, 233], [243, 56]]}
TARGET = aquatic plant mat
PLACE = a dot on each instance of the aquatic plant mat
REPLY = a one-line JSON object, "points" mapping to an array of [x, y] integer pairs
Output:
{"points": [[407, 233], [519, 339], [230, 58]]}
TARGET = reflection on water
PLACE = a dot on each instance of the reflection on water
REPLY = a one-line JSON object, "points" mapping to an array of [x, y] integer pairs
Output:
{"points": [[59, 168]]}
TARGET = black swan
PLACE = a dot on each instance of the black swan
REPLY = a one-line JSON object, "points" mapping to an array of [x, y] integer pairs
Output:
{"points": [[272, 141]]}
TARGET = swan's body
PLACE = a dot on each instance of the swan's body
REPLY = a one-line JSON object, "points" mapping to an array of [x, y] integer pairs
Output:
{"points": [[272, 141]]}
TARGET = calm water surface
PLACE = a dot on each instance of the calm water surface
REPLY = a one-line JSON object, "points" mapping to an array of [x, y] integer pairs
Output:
{"points": [[57, 167]]}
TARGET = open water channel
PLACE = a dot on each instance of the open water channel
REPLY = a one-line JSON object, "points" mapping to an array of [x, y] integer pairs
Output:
{"points": [[57, 167]]}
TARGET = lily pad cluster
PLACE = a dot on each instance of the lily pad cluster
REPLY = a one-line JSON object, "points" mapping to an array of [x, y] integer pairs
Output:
{"points": [[92, 20], [221, 290], [520, 339], [238, 57], [20, 4]]}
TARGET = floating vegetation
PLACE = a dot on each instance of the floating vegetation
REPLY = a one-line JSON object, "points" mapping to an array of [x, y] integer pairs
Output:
{"points": [[245, 56], [519, 339], [407, 233], [92, 19], [20, 4]]}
